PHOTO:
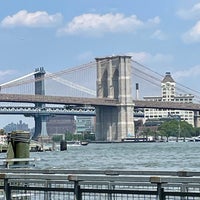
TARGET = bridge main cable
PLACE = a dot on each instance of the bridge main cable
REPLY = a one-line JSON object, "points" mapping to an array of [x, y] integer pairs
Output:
{"points": [[7, 84]]}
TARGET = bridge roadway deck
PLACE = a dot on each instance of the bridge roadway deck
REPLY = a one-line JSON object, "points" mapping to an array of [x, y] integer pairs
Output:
{"points": [[56, 100], [95, 102]]}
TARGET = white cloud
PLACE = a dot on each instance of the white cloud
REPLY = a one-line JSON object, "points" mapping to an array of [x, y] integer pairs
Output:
{"points": [[193, 35], [35, 19], [6, 72], [155, 20], [149, 59], [85, 56], [192, 13], [159, 35], [191, 72], [140, 56], [6, 75], [96, 24]]}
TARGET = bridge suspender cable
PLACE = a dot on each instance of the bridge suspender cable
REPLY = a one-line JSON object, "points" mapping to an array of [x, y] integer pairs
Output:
{"points": [[153, 79], [73, 85]]}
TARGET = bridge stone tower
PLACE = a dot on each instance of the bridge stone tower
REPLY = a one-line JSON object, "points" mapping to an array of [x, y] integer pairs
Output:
{"points": [[114, 82], [40, 120]]}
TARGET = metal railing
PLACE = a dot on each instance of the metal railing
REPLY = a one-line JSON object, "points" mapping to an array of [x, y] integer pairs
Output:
{"points": [[55, 184]]}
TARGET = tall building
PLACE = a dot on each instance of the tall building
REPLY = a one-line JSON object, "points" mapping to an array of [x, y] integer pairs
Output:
{"points": [[19, 126], [84, 124], [60, 124], [168, 90]]}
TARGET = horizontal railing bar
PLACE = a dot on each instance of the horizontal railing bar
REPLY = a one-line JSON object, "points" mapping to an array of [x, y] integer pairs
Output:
{"points": [[73, 177], [87, 177], [51, 189], [182, 194], [19, 159], [106, 172], [118, 191], [34, 176]]}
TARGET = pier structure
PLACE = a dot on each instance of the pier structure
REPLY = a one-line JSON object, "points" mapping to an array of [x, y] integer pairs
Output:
{"points": [[113, 123]]}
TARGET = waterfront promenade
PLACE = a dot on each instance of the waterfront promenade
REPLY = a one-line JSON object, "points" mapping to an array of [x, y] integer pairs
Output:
{"points": [[109, 171], [97, 184]]}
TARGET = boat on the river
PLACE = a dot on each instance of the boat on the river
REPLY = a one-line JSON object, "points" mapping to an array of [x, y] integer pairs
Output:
{"points": [[77, 143], [36, 146], [84, 143]]}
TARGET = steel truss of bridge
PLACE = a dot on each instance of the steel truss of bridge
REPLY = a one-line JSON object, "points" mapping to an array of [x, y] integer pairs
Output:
{"points": [[90, 111], [66, 110]]}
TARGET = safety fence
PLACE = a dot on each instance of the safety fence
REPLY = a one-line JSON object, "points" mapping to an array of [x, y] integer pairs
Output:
{"points": [[98, 185]]}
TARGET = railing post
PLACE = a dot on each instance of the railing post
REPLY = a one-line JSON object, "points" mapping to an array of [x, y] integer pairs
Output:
{"points": [[184, 186], [77, 191], [7, 189], [160, 190]]}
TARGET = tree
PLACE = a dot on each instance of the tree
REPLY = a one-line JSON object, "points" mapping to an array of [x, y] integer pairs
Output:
{"points": [[176, 128], [2, 132], [196, 131], [187, 129], [57, 138]]}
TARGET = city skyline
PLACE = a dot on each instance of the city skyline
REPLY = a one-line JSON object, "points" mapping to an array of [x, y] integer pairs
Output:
{"points": [[163, 35]]}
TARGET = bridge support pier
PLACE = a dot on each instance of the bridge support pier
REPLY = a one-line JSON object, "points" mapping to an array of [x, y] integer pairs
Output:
{"points": [[114, 82], [40, 121], [40, 126]]}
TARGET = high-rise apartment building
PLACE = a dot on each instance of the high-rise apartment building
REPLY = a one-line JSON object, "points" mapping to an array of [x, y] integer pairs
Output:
{"points": [[168, 90]]}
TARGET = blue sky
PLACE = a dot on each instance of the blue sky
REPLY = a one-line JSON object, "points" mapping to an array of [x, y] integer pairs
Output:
{"points": [[163, 35]]}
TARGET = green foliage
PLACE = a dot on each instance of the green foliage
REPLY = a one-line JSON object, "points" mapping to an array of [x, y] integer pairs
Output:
{"points": [[89, 137], [57, 138], [2, 132], [176, 128], [74, 137], [187, 129], [196, 131], [148, 132]]}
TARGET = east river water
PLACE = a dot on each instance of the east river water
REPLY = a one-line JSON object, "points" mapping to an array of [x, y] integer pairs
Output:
{"points": [[174, 156]]}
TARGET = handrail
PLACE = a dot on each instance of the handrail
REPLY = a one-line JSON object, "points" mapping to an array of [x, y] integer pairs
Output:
{"points": [[105, 172]]}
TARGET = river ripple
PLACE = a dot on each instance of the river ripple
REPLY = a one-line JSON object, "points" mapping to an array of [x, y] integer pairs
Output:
{"points": [[124, 156]]}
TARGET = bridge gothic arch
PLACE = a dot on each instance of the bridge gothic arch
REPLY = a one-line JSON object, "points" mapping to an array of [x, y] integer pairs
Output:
{"points": [[113, 123], [115, 84], [105, 82]]}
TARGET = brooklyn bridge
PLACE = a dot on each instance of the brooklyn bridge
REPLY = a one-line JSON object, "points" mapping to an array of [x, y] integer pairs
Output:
{"points": [[111, 95]]}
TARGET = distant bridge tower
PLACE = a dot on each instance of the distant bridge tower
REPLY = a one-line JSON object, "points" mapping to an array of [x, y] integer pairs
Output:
{"points": [[114, 82], [40, 120]]}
